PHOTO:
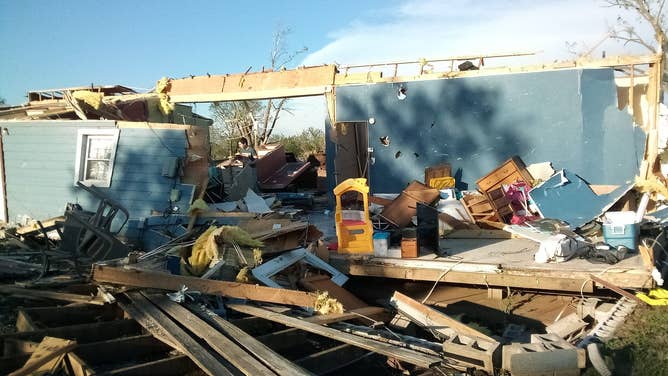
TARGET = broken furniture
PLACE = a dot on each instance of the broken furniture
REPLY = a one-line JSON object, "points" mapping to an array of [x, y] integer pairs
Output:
{"points": [[479, 208], [353, 227], [274, 172], [87, 237], [264, 272], [508, 172], [493, 185], [402, 210]]}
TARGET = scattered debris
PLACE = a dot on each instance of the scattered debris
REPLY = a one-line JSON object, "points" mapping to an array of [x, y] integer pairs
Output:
{"points": [[47, 358], [190, 278]]}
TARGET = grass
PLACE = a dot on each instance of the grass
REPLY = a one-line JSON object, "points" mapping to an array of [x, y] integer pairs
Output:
{"points": [[640, 346]]}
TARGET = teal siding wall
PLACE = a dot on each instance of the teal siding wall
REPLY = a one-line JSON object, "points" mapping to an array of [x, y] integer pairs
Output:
{"points": [[40, 161]]}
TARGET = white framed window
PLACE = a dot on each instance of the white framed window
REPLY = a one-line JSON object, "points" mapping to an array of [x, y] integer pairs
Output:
{"points": [[96, 150]]}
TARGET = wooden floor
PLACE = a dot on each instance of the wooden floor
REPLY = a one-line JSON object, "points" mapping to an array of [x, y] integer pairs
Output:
{"points": [[497, 263]]}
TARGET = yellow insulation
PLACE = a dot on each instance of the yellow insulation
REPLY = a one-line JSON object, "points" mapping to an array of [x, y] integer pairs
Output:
{"points": [[164, 105], [90, 98], [325, 305], [205, 249], [651, 185]]}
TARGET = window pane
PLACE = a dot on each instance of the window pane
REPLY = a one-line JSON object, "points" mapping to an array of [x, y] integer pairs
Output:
{"points": [[97, 170], [100, 147]]}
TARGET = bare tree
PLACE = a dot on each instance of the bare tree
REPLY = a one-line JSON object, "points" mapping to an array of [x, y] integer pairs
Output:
{"points": [[651, 11], [233, 120], [255, 120], [279, 58]]}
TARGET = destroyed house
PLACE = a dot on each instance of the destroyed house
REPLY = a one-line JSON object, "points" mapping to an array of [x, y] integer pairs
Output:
{"points": [[147, 167], [390, 131]]}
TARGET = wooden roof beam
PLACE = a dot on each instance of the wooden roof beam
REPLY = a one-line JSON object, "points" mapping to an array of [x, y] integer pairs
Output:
{"points": [[300, 82]]}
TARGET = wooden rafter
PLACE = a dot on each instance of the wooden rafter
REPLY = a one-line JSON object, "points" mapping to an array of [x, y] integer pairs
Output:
{"points": [[313, 81]]}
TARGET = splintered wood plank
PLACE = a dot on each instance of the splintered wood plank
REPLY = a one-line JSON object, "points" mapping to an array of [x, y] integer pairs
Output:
{"points": [[426, 316], [141, 278], [23, 322], [229, 350], [53, 295], [616, 289], [265, 354], [161, 326], [253, 85], [47, 357], [34, 227], [406, 355]]}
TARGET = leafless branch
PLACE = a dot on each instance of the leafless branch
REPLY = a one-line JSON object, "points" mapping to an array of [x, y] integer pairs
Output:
{"points": [[276, 114]]}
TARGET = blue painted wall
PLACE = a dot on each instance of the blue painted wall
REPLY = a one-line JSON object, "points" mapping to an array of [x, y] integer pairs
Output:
{"points": [[40, 160], [567, 117]]}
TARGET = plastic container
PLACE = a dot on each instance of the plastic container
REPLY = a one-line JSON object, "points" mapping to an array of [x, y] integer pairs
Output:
{"points": [[621, 229], [381, 242], [448, 194]]}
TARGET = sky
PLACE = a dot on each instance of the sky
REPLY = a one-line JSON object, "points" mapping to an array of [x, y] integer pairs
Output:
{"points": [[57, 43]]}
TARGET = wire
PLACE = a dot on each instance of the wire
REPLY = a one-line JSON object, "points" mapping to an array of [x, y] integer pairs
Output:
{"points": [[589, 279], [161, 141], [164, 248], [439, 279]]}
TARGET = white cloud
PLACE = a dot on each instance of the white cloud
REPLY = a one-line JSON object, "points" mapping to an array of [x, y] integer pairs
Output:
{"points": [[439, 29]]}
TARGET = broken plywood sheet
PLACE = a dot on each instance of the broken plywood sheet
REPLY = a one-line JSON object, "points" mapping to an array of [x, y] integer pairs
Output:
{"points": [[47, 357], [255, 203], [568, 197], [404, 208]]}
